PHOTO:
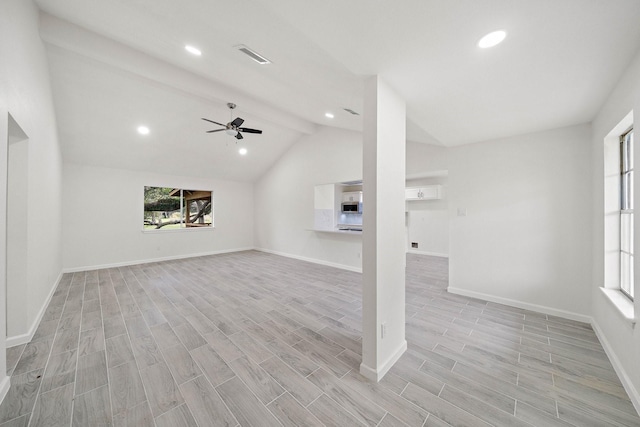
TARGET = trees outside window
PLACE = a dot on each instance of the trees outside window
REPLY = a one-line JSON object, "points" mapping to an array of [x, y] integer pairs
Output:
{"points": [[167, 208]]}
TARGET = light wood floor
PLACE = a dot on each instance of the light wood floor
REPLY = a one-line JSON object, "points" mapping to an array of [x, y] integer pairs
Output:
{"points": [[255, 339]]}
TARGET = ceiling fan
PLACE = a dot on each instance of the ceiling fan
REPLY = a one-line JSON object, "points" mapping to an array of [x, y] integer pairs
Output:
{"points": [[233, 127]]}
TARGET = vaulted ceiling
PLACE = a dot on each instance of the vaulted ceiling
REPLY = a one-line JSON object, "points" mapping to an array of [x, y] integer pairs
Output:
{"points": [[119, 63]]}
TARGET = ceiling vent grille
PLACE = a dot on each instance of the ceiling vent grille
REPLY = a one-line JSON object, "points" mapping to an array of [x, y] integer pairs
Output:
{"points": [[349, 110], [253, 54]]}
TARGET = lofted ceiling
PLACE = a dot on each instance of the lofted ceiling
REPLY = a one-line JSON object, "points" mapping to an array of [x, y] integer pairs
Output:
{"points": [[118, 63]]}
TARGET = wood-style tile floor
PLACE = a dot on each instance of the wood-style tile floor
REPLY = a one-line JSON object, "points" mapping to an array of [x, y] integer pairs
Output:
{"points": [[255, 339]]}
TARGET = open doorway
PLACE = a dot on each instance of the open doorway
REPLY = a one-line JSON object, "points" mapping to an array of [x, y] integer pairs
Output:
{"points": [[16, 231], [427, 214]]}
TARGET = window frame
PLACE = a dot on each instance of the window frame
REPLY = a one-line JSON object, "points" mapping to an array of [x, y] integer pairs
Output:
{"points": [[626, 232], [182, 210]]}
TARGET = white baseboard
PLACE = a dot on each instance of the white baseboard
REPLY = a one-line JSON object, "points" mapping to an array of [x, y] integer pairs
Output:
{"points": [[376, 374], [150, 260], [313, 260], [631, 390], [4, 388], [438, 254], [524, 305], [25, 338]]}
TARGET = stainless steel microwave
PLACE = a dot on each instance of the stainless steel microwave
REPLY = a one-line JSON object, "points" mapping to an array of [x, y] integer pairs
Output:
{"points": [[351, 207]]}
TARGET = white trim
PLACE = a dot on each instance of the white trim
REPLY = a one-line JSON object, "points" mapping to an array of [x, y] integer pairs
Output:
{"points": [[4, 387], [377, 374], [438, 254], [25, 338], [176, 230], [313, 260], [150, 260], [524, 305], [633, 392], [623, 305]]}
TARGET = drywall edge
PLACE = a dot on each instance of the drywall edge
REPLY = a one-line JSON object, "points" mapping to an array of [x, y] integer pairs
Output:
{"points": [[524, 305], [152, 260], [312, 260], [25, 338], [633, 393]]}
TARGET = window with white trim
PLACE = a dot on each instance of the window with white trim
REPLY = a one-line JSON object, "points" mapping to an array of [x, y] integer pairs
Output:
{"points": [[168, 208], [626, 214]]}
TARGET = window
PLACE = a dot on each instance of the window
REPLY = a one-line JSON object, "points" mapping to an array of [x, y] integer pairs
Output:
{"points": [[168, 208], [626, 214]]}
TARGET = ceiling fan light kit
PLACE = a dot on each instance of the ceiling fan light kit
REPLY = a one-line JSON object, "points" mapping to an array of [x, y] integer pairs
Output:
{"points": [[233, 127]]}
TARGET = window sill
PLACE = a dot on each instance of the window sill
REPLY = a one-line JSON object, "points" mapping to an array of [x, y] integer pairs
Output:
{"points": [[176, 230], [623, 305]]}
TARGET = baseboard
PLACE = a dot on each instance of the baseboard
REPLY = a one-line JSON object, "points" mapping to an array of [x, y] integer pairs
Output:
{"points": [[377, 374], [151, 260], [4, 388], [631, 390], [313, 260], [25, 338], [524, 305], [438, 254]]}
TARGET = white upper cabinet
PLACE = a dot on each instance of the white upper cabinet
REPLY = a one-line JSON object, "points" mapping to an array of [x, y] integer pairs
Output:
{"points": [[412, 193], [426, 192], [352, 196]]}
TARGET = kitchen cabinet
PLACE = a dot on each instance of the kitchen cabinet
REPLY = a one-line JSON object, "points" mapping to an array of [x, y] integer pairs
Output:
{"points": [[425, 192], [352, 196]]}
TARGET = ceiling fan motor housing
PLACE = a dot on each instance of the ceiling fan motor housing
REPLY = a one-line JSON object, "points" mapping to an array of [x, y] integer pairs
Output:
{"points": [[233, 127]]}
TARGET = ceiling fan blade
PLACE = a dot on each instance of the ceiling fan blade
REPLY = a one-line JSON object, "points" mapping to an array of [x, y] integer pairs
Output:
{"points": [[215, 130], [211, 121], [249, 130], [237, 122], [239, 135]]}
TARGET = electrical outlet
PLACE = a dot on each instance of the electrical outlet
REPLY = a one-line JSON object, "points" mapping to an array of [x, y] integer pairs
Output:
{"points": [[383, 330], [359, 255], [414, 245]]}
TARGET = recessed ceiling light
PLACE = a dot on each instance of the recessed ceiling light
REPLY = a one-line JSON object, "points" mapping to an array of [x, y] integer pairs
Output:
{"points": [[329, 115], [492, 39], [193, 50], [143, 130], [242, 151]]}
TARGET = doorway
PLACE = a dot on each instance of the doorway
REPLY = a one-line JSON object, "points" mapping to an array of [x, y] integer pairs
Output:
{"points": [[16, 231]]}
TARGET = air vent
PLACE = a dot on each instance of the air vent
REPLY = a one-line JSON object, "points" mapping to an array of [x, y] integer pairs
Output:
{"points": [[349, 110], [252, 54]]}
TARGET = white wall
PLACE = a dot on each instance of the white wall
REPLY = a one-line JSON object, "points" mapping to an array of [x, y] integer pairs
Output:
{"points": [[284, 198], [424, 158], [103, 211], [524, 239], [428, 220], [620, 339], [26, 95], [17, 232]]}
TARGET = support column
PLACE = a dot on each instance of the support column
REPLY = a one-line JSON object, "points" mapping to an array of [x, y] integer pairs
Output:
{"points": [[383, 237]]}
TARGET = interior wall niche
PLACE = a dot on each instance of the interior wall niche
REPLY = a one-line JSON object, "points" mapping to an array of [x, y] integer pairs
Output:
{"points": [[17, 199]]}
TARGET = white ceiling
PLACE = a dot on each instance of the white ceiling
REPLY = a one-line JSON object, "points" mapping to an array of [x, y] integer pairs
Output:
{"points": [[557, 65], [103, 106]]}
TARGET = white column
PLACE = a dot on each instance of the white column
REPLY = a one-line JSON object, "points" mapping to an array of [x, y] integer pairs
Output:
{"points": [[5, 381], [383, 245]]}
